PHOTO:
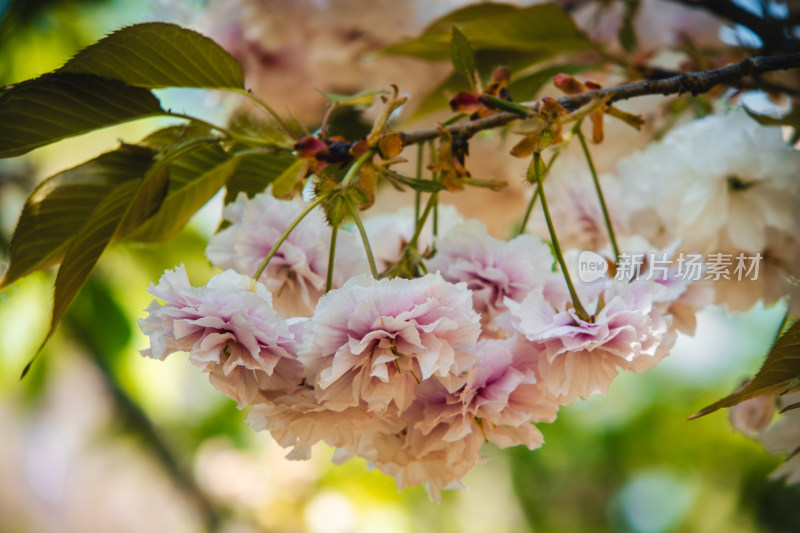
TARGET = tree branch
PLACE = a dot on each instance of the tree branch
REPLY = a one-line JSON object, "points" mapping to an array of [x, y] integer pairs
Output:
{"points": [[692, 82]]}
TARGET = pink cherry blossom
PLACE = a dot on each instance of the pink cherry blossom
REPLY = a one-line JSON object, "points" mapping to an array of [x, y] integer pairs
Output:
{"points": [[582, 357], [506, 394], [373, 341], [297, 273], [229, 330], [491, 268]]}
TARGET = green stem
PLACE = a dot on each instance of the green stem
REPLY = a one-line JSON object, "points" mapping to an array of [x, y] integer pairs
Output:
{"points": [[576, 302], [417, 194], [331, 255], [360, 225], [286, 233], [532, 203], [355, 168], [600, 196], [421, 221]]}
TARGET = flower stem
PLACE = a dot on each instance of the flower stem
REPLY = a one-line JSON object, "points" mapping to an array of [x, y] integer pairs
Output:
{"points": [[417, 194], [532, 203], [576, 302], [360, 225], [421, 221], [355, 168], [600, 196], [286, 233], [331, 255]]}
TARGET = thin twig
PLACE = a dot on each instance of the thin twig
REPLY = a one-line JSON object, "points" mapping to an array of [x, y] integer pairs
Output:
{"points": [[691, 82]]}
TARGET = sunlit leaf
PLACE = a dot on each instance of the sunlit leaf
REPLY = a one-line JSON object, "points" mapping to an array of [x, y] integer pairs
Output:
{"points": [[60, 205], [289, 178], [58, 105], [255, 172], [246, 123], [126, 206], [780, 369], [159, 54], [530, 29], [463, 57], [194, 179]]}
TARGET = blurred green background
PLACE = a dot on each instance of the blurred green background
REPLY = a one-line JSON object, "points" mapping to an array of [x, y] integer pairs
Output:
{"points": [[97, 438]]}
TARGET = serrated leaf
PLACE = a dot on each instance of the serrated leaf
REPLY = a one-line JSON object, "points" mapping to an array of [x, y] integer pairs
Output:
{"points": [[59, 206], [463, 57], [530, 29], [255, 172], [194, 179], [248, 124], [57, 105], [165, 138], [129, 204], [159, 54], [286, 182], [780, 369]]}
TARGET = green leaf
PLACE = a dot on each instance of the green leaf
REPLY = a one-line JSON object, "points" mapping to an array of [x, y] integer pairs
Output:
{"points": [[166, 138], [194, 179], [486, 61], [247, 124], [57, 105], [362, 98], [285, 183], [780, 369], [530, 29], [428, 45], [463, 57], [129, 204], [159, 54], [255, 172], [61, 204], [627, 31], [505, 105]]}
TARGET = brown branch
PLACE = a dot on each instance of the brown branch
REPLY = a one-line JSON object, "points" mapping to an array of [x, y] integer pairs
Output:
{"points": [[691, 82]]}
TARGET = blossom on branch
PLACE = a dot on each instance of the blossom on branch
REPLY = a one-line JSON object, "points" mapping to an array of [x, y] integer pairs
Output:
{"points": [[371, 342], [229, 329], [582, 358], [297, 273], [492, 269]]}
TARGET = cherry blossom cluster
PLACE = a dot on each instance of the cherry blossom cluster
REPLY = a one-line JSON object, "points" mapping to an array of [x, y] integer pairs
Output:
{"points": [[413, 375]]}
